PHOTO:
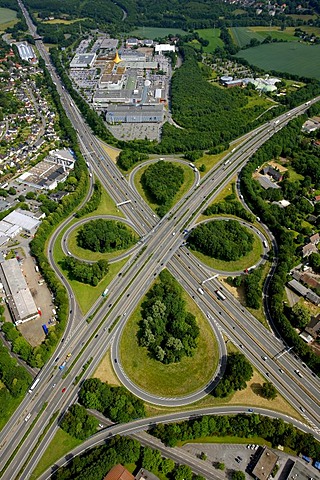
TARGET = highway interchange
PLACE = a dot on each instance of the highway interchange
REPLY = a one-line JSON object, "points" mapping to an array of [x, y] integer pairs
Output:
{"points": [[159, 249]]}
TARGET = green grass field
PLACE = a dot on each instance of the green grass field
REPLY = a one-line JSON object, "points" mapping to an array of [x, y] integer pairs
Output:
{"points": [[156, 32], [238, 265], [296, 58], [60, 445], [7, 18], [212, 35], [175, 379], [242, 35]]}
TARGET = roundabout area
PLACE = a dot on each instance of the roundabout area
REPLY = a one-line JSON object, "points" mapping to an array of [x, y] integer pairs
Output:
{"points": [[253, 257], [86, 254], [179, 379]]}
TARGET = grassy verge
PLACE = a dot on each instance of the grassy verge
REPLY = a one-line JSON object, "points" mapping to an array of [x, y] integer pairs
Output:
{"points": [[211, 160], [60, 445], [175, 379], [9, 409], [187, 184], [248, 398], [252, 258], [106, 207]]}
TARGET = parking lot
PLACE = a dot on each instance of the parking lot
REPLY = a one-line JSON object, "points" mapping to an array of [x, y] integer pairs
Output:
{"points": [[235, 457]]}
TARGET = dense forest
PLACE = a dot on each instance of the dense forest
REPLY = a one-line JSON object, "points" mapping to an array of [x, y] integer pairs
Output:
{"points": [[167, 330], [224, 240], [116, 403], [105, 236], [162, 181]]}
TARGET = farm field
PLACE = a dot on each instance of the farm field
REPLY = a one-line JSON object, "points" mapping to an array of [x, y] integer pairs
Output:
{"points": [[7, 18], [212, 35], [296, 58], [242, 35], [156, 32]]}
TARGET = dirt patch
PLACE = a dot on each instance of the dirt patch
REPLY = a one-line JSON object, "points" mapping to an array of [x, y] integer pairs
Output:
{"points": [[237, 292], [105, 371], [251, 397], [112, 152]]}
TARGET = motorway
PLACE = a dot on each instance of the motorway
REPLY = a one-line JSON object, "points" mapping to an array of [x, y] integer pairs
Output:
{"points": [[159, 248]]}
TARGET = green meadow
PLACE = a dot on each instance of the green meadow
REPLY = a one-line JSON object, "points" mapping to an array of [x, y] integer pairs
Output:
{"points": [[297, 58]]}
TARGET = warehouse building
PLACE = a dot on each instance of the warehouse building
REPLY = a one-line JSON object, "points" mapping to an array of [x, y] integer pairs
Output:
{"points": [[18, 296], [135, 113]]}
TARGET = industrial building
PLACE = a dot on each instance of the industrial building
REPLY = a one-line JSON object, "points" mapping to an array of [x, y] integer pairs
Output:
{"points": [[18, 296], [266, 462], [52, 170], [153, 113], [14, 223], [82, 60], [25, 51]]}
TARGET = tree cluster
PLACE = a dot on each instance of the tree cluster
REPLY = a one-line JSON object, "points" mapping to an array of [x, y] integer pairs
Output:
{"points": [[243, 426], [78, 423], [238, 372], [90, 273], [225, 240], [268, 391], [229, 206], [105, 236], [15, 378], [129, 157], [93, 202], [116, 403], [167, 330], [162, 181]]}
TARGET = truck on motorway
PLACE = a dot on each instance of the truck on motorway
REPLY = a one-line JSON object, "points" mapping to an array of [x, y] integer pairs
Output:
{"points": [[220, 295], [33, 386], [191, 165], [61, 367], [105, 292], [265, 243], [200, 291]]}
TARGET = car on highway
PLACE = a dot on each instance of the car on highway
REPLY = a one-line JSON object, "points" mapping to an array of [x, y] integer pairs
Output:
{"points": [[54, 385], [280, 370], [302, 409], [250, 410], [69, 355], [63, 390]]}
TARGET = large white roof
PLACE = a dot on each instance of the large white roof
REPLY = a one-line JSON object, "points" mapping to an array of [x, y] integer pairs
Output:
{"points": [[18, 218]]}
